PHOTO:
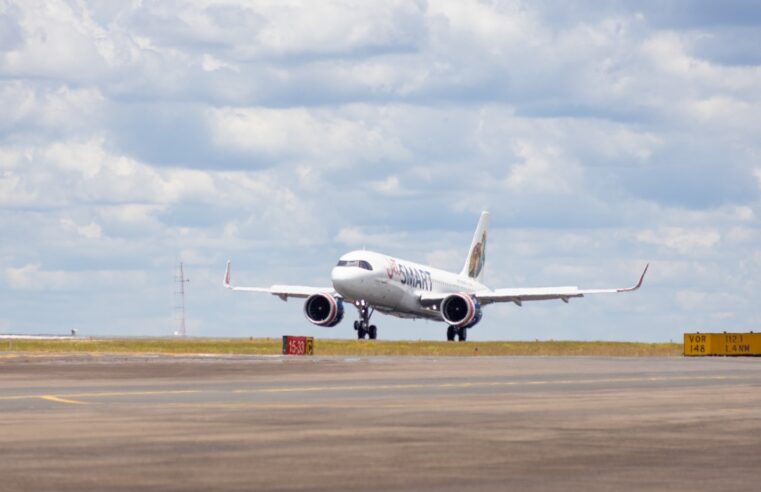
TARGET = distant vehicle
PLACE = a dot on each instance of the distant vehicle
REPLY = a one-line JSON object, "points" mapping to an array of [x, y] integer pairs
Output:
{"points": [[376, 282]]}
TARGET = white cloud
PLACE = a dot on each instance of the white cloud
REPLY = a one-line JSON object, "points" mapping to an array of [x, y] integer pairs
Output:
{"points": [[278, 133], [62, 109], [542, 170], [684, 241], [333, 137], [330, 27], [85, 172], [757, 258], [210, 63], [89, 231], [497, 26], [13, 191], [389, 186], [688, 299], [721, 302], [132, 214], [668, 51], [720, 108], [356, 237], [447, 259], [61, 41], [34, 277]]}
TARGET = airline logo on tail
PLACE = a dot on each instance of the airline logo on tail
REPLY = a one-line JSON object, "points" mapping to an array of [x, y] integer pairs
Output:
{"points": [[477, 258]]}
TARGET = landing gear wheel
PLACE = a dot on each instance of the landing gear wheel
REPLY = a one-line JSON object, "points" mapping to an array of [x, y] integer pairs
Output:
{"points": [[450, 334], [363, 325], [462, 334]]}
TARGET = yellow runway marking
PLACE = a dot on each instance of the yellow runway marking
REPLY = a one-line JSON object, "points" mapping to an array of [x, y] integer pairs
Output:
{"points": [[103, 394], [61, 400]]}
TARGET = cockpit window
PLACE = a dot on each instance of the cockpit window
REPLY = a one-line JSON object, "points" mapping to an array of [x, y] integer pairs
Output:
{"points": [[355, 263]]}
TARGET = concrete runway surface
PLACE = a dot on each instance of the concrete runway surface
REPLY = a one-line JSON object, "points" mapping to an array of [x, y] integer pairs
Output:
{"points": [[85, 422]]}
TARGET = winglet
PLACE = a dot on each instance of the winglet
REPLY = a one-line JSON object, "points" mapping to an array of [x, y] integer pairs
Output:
{"points": [[639, 284], [227, 276]]}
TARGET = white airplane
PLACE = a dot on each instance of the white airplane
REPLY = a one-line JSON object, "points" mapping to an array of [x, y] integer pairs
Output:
{"points": [[376, 282]]}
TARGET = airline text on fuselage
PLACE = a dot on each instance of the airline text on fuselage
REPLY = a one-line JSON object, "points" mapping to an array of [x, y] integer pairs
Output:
{"points": [[411, 276]]}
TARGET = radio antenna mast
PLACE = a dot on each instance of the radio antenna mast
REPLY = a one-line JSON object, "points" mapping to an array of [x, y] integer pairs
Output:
{"points": [[180, 279]]}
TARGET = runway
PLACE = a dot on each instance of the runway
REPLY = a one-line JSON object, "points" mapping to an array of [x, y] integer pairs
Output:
{"points": [[74, 422]]}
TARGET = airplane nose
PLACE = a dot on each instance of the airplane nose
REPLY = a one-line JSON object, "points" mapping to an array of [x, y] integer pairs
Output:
{"points": [[343, 278]]}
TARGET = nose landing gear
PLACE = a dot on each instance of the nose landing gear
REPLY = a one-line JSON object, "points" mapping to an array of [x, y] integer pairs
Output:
{"points": [[363, 326]]}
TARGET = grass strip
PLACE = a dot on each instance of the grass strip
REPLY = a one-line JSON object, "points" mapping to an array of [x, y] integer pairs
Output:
{"points": [[272, 346]]}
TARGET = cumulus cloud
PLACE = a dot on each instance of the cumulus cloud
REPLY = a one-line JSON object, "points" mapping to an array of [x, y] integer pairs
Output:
{"points": [[289, 134], [601, 136], [85, 172], [34, 277], [356, 237], [684, 241], [542, 170], [389, 186], [90, 231]]}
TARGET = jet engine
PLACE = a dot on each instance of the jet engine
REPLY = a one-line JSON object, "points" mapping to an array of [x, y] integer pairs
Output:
{"points": [[324, 309], [460, 310]]}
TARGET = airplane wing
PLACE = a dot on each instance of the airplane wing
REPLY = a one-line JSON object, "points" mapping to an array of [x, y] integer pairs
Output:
{"points": [[282, 291], [520, 295]]}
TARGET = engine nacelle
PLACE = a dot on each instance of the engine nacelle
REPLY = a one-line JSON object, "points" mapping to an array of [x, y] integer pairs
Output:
{"points": [[460, 310], [324, 309]]}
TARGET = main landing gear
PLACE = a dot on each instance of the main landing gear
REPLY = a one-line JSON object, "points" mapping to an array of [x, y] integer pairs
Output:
{"points": [[363, 326], [461, 333]]}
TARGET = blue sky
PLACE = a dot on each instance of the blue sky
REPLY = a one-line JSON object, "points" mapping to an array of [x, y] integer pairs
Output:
{"points": [[601, 136]]}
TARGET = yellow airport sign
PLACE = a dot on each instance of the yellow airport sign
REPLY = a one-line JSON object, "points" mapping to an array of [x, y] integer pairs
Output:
{"points": [[697, 344]]}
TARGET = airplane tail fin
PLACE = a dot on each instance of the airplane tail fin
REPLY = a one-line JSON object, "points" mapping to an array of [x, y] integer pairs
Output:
{"points": [[227, 276], [476, 259]]}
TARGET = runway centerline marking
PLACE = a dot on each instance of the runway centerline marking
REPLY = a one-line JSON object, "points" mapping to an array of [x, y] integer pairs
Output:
{"points": [[71, 397], [61, 400]]}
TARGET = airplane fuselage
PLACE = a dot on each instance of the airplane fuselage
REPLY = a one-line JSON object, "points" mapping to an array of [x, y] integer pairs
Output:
{"points": [[395, 286]]}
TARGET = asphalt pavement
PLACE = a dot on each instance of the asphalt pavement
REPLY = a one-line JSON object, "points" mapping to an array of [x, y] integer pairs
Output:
{"points": [[111, 422]]}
